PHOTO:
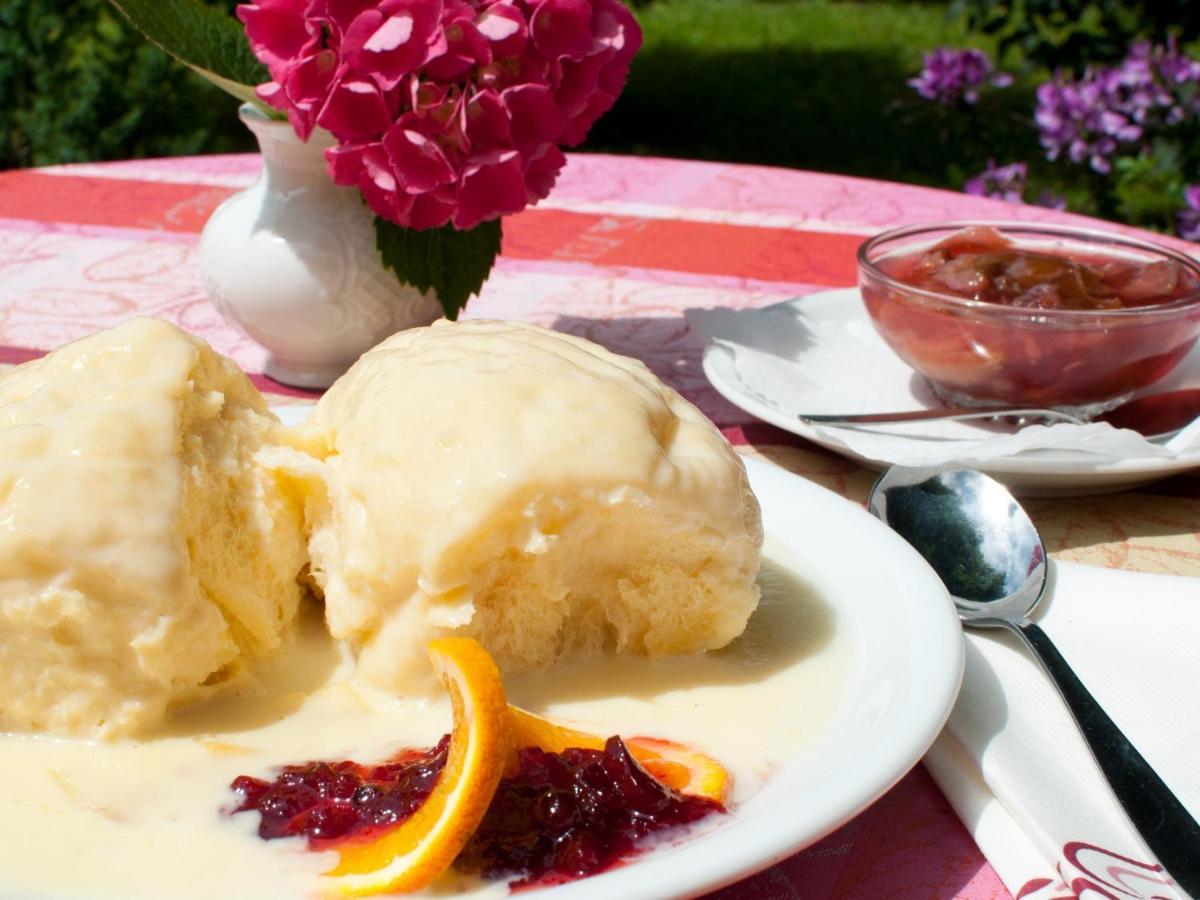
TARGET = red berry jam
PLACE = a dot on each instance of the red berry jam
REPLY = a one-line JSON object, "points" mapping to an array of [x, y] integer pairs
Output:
{"points": [[571, 814], [560, 816], [327, 802]]}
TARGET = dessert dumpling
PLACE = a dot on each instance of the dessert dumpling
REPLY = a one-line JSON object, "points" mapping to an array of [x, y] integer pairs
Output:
{"points": [[144, 556], [529, 489]]}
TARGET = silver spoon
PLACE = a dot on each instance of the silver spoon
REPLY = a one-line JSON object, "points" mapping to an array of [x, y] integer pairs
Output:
{"points": [[989, 554]]}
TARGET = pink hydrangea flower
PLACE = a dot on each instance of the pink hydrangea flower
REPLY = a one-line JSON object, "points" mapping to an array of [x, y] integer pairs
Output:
{"points": [[445, 111]]}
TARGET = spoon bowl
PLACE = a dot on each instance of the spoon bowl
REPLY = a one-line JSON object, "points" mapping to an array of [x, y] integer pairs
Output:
{"points": [[968, 527], [990, 556]]}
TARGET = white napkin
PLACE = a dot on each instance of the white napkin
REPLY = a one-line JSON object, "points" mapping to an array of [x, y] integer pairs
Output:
{"points": [[1013, 765], [820, 354]]}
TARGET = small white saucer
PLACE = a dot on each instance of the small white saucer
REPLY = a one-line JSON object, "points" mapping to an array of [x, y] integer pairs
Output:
{"points": [[811, 379]]}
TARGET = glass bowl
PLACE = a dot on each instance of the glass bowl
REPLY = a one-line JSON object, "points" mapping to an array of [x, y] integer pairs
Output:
{"points": [[976, 352]]}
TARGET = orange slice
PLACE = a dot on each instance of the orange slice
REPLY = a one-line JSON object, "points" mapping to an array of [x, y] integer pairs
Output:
{"points": [[682, 768], [675, 765], [411, 855], [528, 729]]}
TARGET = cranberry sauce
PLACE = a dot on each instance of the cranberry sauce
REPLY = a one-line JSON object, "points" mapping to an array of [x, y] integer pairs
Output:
{"points": [[571, 814], [560, 816], [981, 264], [331, 801]]}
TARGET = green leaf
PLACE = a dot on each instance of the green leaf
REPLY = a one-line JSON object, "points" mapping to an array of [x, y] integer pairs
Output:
{"points": [[454, 263], [1148, 187], [206, 39]]}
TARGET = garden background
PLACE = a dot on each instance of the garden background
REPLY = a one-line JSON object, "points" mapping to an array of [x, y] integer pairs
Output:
{"points": [[828, 85]]}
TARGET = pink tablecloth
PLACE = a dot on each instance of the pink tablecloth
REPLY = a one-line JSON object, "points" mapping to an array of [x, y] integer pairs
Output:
{"points": [[619, 250]]}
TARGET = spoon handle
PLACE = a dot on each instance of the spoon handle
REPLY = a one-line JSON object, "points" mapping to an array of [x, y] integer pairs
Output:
{"points": [[940, 413], [1164, 824]]}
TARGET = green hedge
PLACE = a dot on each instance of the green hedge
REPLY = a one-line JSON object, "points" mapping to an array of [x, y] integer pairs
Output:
{"points": [[1070, 34], [79, 84]]}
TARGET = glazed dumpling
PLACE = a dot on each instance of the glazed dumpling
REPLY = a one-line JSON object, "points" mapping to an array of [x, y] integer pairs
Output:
{"points": [[145, 556], [531, 490]]}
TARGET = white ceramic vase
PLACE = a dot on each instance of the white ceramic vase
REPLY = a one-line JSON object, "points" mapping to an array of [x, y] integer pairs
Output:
{"points": [[291, 261]]}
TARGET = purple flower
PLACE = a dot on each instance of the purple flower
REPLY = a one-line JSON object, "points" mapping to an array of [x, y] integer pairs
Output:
{"points": [[1009, 183], [1089, 119], [1176, 68], [951, 76], [1077, 119], [1000, 182], [1188, 218], [1050, 200]]}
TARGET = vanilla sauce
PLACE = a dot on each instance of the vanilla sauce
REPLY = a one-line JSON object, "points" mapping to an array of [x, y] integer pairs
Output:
{"points": [[147, 819]]}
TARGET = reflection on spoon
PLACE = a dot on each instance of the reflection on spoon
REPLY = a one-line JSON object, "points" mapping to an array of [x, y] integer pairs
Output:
{"points": [[988, 553]]}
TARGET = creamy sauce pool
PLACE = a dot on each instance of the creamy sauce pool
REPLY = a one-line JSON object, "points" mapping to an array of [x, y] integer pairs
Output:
{"points": [[146, 819]]}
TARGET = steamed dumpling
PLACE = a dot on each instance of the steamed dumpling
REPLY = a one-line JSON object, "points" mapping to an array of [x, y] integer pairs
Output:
{"points": [[145, 557], [531, 490]]}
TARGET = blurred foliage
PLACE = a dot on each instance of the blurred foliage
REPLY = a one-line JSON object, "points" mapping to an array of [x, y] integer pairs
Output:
{"points": [[1148, 189], [79, 83], [812, 84], [1069, 34]]}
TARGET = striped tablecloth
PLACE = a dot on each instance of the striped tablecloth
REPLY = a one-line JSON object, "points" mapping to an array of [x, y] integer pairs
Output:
{"points": [[618, 251]]}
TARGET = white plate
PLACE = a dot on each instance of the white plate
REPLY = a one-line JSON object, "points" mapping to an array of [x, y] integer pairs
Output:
{"points": [[904, 668], [907, 665], [899, 663], [1042, 472]]}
